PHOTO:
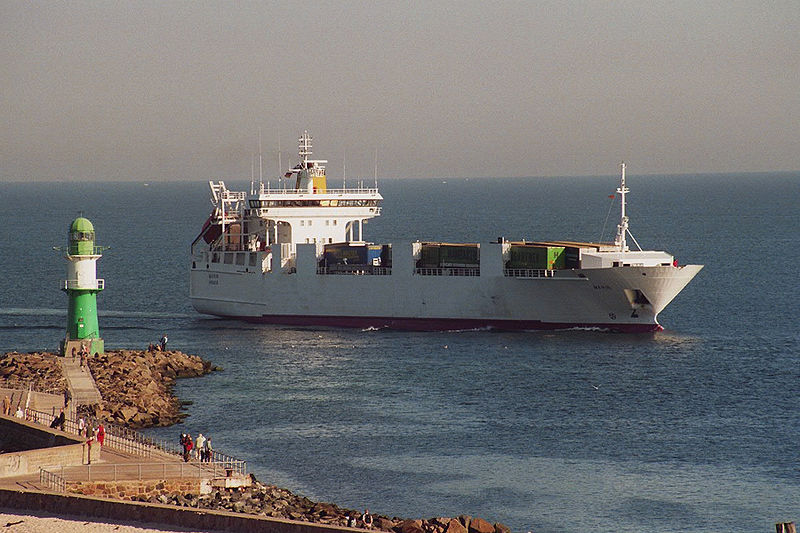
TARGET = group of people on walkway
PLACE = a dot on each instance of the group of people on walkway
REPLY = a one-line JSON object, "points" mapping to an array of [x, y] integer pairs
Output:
{"points": [[86, 430], [84, 355], [199, 450]]}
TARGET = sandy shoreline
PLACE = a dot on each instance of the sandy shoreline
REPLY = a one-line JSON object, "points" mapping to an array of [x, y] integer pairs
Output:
{"points": [[49, 523]]}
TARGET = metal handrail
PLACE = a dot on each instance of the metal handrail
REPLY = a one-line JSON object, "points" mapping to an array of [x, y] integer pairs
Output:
{"points": [[52, 481], [31, 385], [131, 441], [100, 284], [528, 273], [155, 470]]}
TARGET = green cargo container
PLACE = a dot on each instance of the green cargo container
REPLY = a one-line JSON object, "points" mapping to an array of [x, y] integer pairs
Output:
{"points": [[526, 256]]}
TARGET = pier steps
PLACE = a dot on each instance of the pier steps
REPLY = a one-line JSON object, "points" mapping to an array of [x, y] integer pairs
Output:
{"points": [[80, 382]]}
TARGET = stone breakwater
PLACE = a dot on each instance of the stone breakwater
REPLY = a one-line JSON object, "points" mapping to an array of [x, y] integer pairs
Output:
{"points": [[137, 390], [40, 369], [271, 501], [137, 386]]}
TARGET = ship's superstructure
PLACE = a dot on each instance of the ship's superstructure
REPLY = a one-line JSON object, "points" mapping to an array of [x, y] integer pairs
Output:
{"points": [[297, 255]]}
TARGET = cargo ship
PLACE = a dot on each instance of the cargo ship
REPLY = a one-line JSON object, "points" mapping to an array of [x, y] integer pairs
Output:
{"points": [[296, 255]]}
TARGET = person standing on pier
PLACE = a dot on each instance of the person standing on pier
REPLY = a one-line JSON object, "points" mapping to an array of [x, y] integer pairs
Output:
{"points": [[164, 342], [89, 439], [84, 356], [200, 447], [187, 447], [208, 450], [100, 434]]}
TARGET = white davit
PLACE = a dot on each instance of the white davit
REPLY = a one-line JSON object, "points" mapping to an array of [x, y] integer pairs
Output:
{"points": [[296, 255]]}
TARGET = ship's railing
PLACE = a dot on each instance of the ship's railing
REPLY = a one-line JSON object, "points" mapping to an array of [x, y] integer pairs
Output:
{"points": [[74, 284], [528, 273], [448, 271], [232, 195], [355, 270], [328, 192]]}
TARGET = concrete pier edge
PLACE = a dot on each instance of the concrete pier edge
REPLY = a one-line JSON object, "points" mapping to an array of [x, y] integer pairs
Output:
{"points": [[153, 513]]}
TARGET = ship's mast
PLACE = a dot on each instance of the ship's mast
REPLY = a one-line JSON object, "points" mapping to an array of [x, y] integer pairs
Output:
{"points": [[304, 148], [260, 163], [622, 227]]}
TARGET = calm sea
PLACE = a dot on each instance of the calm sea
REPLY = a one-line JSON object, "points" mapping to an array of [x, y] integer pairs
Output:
{"points": [[696, 428]]}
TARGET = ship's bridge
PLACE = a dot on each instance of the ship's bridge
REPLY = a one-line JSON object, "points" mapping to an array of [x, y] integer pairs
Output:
{"points": [[312, 216]]}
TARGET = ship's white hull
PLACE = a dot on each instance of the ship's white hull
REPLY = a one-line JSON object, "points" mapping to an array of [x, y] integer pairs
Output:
{"points": [[250, 261], [590, 298]]}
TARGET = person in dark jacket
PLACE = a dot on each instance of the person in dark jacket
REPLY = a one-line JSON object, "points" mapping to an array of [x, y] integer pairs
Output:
{"points": [[58, 422]]}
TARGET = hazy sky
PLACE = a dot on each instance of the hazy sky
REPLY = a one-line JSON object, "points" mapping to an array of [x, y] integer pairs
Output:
{"points": [[178, 90]]}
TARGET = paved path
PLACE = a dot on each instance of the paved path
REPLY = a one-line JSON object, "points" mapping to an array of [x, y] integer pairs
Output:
{"points": [[80, 382], [116, 465]]}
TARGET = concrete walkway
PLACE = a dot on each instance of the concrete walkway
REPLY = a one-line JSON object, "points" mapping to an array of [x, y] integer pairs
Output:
{"points": [[41, 401], [115, 465], [80, 382]]}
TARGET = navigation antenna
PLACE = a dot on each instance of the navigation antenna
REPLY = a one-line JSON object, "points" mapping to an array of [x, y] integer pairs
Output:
{"points": [[252, 173], [376, 167], [260, 163], [622, 227], [344, 171]]}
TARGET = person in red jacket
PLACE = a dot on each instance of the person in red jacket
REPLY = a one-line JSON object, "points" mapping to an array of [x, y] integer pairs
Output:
{"points": [[101, 435]]}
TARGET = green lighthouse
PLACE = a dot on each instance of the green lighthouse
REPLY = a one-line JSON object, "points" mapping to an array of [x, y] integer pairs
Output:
{"points": [[82, 287]]}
